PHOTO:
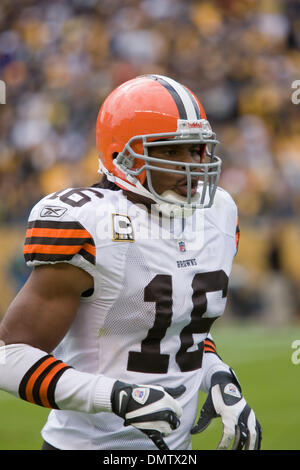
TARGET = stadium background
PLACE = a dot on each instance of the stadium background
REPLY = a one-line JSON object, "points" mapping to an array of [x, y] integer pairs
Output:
{"points": [[60, 59]]}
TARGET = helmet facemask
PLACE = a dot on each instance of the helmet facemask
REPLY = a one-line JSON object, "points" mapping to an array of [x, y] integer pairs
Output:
{"points": [[133, 164]]}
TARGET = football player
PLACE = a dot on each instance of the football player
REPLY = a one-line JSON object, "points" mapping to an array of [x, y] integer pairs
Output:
{"points": [[112, 329]]}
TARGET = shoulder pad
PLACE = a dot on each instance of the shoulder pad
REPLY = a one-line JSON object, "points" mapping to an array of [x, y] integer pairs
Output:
{"points": [[224, 212], [59, 228]]}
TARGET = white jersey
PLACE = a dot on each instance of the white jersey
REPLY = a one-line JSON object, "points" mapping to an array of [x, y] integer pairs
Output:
{"points": [[158, 287]]}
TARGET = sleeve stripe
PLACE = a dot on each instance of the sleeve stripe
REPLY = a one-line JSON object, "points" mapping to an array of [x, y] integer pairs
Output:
{"points": [[35, 386], [210, 342], [29, 382], [89, 249], [54, 241], [26, 385], [57, 233], [58, 225], [58, 241], [206, 349], [38, 384], [59, 249], [209, 346], [237, 234], [30, 257], [46, 393], [48, 258], [88, 256]]}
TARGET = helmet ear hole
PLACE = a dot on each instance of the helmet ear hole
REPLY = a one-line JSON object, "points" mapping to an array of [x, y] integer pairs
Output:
{"points": [[114, 155]]}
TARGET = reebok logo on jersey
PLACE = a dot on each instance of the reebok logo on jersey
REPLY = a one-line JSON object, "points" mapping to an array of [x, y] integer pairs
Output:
{"points": [[53, 211], [232, 390], [140, 395]]}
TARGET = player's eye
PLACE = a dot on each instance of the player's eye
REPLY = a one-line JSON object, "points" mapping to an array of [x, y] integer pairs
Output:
{"points": [[166, 152], [195, 152], [171, 152]]}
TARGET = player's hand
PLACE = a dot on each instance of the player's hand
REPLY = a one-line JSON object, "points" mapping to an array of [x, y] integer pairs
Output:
{"points": [[240, 425], [152, 409]]}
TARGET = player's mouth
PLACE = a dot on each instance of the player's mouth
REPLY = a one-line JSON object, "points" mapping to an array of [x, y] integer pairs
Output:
{"points": [[182, 187]]}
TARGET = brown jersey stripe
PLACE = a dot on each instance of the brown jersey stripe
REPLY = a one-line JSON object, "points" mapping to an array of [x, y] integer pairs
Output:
{"points": [[209, 346], [30, 383], [87, 252], [38, 381], [52, 249], [57, 233], [52, 385], [207, 349], [47, 258], [47, 387], [58, 241], [237, 234], [210, 342], [59, 249], [55, 241], [27, 382], [88, 256], [35, 385], [54, 224], [89, 248]]}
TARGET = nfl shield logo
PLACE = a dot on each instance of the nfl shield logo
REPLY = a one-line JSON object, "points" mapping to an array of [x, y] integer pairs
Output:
{"points": [[181, 246], [140, 394]]}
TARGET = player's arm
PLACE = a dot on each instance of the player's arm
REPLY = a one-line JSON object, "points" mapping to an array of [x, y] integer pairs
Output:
{"points": [[33, 326], [35, 323], [43, 310], [241, 430]]}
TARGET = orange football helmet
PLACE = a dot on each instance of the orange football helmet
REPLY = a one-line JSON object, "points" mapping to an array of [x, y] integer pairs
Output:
{"points": [[145, 110]]}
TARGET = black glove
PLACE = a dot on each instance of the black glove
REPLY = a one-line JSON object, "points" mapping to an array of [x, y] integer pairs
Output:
{"points": [[149, 408], [239, 422]]}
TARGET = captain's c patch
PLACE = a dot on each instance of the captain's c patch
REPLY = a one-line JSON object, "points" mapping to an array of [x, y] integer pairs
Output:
{"points": [[122, 228]]}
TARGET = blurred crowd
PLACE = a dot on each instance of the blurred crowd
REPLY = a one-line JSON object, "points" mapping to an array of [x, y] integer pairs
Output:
{"points": [[60, 59]]}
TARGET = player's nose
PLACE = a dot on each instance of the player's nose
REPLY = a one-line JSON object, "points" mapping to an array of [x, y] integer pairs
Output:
{"points": [[190, 157]]}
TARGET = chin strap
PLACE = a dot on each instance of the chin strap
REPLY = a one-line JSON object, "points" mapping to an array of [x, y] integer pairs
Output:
{"points": [[134, 187], [169, 209]]}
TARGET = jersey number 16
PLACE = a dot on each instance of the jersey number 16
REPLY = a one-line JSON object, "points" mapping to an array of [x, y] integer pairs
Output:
{"points": [[159, 290]]}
